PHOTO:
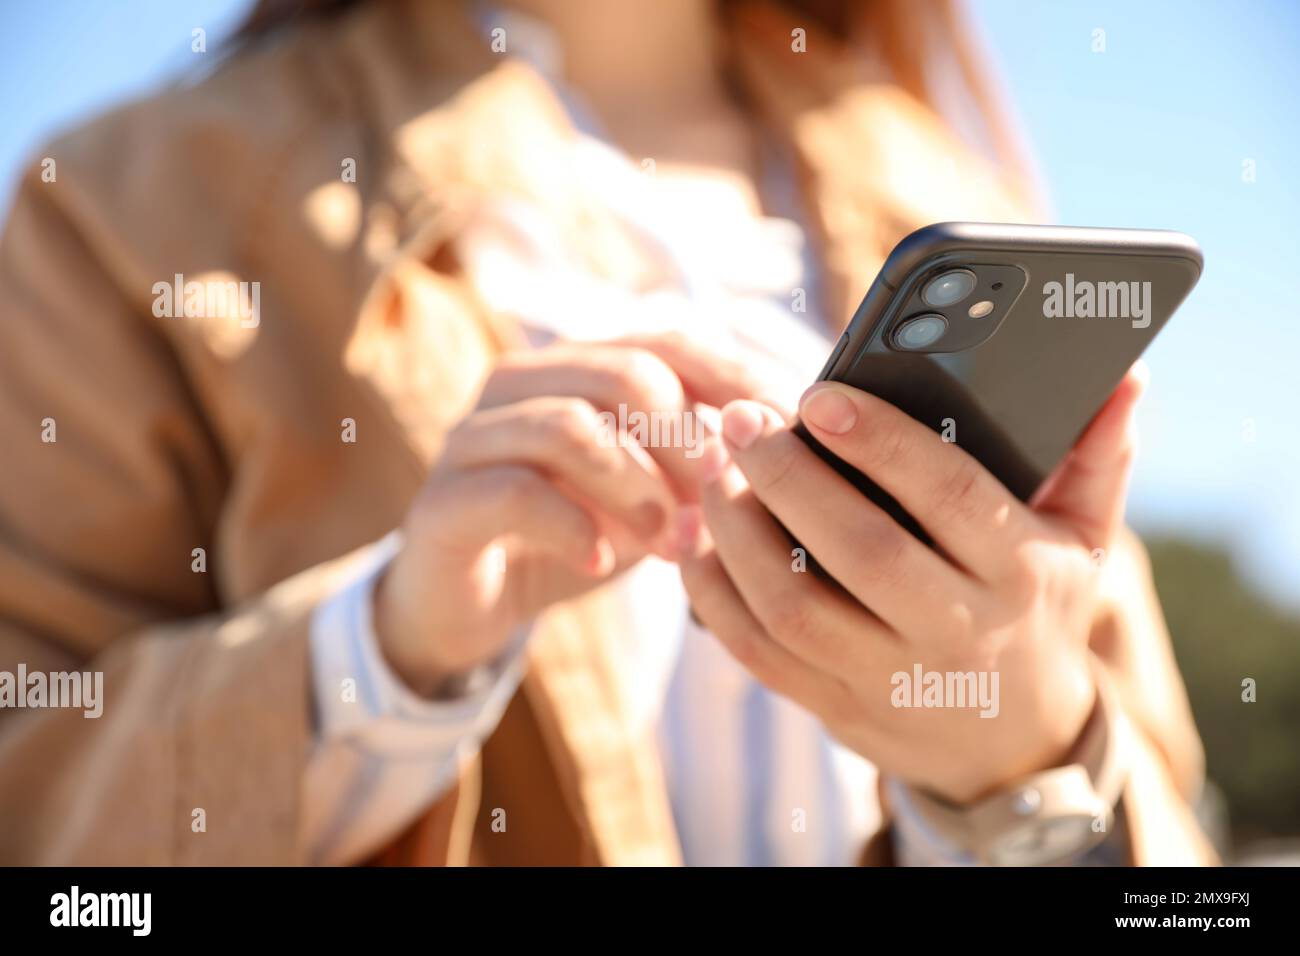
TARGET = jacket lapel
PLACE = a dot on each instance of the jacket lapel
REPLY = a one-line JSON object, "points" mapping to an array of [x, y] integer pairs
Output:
{"points": [[567, 777]]}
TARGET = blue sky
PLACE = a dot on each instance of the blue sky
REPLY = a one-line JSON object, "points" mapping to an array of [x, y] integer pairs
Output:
{"points": [[1152, 132]]}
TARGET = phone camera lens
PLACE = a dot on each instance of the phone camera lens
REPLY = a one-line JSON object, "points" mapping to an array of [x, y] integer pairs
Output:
{"points": [[948, 288], [920, 332]]}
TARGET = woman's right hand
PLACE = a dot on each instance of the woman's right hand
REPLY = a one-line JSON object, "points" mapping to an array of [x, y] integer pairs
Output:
{"points": [[534, 498]]}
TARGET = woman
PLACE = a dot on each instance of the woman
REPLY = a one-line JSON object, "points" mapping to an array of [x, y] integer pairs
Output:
{"points": [[471, 238]]}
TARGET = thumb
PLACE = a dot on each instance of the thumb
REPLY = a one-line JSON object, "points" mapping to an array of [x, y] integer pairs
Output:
{"points": [[1087, 491]]}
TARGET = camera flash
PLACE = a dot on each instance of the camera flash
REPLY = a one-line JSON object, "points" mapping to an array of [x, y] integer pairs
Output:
{"points": [[980, 309]]}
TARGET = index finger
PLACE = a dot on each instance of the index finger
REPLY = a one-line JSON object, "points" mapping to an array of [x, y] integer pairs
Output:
{"points": [[969, 513], [643, 400], [707, 376]]}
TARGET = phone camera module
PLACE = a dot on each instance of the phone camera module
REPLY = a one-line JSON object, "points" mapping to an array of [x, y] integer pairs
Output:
{"points": [[948, 288], [920, 332]]}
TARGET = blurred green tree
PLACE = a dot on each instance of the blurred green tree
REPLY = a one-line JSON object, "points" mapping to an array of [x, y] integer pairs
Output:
{"points": [[1224, 632]]}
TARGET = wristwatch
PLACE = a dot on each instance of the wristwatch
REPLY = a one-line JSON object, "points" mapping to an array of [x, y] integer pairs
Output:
{"points": [[1049, 816]]}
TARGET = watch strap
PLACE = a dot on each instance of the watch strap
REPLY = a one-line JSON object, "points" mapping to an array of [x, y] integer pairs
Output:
{"points": [[1088, 786]]}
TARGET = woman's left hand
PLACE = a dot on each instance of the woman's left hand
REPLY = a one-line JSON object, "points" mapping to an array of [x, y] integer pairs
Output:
{"points": [[1007, 588]]}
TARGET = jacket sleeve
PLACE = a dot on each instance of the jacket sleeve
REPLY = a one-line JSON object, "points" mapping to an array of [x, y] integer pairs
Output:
{"points": [[1165, 756], [109, 481]]}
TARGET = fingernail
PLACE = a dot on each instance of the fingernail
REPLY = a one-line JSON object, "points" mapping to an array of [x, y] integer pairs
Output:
{"points": [[602, 559], [742, 422], [829, 410], [688, 528], [650, 519]]}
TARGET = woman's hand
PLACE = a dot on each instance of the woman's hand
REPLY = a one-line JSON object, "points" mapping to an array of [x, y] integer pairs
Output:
{"points": [[536, 499], [1007, 589]]}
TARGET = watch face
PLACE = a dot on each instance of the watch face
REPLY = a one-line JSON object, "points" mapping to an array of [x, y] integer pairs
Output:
{"points": [[1044, 841]]}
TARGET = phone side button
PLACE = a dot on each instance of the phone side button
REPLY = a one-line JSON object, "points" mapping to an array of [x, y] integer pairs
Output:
{"points": [[835, 356]]}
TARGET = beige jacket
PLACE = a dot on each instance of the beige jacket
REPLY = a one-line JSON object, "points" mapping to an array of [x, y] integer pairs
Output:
{"points": [[177, 434]]}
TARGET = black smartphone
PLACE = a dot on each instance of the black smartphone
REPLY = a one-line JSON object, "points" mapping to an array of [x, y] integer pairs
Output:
{"points": [[1008, 339]]}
